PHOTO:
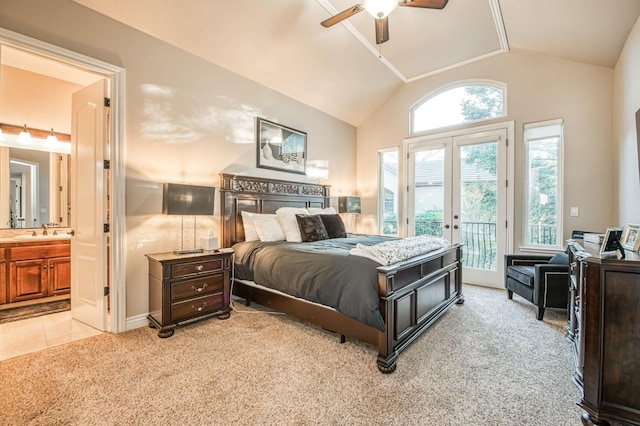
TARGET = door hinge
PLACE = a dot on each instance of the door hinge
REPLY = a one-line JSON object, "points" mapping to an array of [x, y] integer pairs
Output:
{"points": [[506, 183], [506, 223], [107, 102], [507, 142], [407, 188], [106, 164], [106, 227], [106, 291], [407, 221]]}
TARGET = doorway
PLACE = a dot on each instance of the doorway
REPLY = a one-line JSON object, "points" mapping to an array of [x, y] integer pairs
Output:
{"points": [[458, 190], [113, 259]]}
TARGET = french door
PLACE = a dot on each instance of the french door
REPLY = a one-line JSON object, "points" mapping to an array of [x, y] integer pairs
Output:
{"points": [[457, 190]]}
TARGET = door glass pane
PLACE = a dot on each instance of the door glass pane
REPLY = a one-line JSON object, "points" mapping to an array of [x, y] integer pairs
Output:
{"points": [[478, 204], [388, 196], [429, 192]]}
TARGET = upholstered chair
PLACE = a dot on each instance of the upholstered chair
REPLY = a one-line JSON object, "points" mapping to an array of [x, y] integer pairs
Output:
{"points": [[541, 279]]}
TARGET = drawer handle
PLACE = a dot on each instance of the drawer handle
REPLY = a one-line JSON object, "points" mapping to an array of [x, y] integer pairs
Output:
{"points": [[199, 308], [199, 268], [198, 289]]}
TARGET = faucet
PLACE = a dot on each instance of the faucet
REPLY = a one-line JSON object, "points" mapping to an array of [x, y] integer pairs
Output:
{"points": [[44, 229]]}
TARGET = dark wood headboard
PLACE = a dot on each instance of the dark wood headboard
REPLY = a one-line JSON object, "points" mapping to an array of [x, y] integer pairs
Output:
{"points": [[240, 193]]}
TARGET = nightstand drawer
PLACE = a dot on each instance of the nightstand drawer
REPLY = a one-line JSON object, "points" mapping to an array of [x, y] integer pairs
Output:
{"points": [[197, 287], [196, 267], [198, 307]]}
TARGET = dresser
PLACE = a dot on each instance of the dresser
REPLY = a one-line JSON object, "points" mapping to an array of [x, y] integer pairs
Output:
{"points": [[604, 330], [187, 287]]}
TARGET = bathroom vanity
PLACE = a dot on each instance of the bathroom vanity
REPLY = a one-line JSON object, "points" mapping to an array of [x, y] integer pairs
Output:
{"points": [[34, 268]]}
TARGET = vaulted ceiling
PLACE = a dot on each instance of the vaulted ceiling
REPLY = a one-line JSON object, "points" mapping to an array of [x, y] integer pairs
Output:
{"points": [[340, 70]]}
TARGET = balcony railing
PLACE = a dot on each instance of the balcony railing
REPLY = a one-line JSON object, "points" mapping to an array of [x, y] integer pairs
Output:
{"points": [[542, 234], [479, 239]]}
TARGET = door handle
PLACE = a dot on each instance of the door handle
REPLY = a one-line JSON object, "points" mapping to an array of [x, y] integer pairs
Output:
{"points": [[71, 232], [455, 216], [447, 226], [455, 226]]}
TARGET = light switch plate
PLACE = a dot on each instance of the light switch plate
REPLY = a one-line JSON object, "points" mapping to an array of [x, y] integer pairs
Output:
{"points": [[574, 211]]}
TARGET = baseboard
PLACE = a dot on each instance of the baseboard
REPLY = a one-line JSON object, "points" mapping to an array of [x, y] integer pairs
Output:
{"points": [[136, 322]]}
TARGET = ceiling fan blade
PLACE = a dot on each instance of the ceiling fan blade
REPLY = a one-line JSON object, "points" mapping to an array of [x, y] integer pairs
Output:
{"points": [[382, 30], [428, 4], [342, 15]]}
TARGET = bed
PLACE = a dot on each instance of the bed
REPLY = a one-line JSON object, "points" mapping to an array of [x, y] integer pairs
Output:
{"points": [[411, 294]]}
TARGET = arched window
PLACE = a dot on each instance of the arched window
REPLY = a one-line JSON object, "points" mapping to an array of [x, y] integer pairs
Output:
{"points": [[463, 103]]}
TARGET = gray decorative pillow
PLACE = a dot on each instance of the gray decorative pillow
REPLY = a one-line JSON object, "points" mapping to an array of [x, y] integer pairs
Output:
{"points": [[559, 259], [334, 225], [311, 227]]}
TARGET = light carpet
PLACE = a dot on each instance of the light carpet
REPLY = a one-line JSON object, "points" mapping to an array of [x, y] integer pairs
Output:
{"points": [[486, 362]]}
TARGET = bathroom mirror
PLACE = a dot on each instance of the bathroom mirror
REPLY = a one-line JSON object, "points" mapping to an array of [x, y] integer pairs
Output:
{"points": [[37, 190]]}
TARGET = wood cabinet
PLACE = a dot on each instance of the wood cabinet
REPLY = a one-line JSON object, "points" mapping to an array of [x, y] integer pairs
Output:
{"points": [[604, 328], [3, 276], [30, 270], [187, 287]]}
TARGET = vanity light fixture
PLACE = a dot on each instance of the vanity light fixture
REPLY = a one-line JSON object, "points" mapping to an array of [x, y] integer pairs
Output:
{"points": [[52, 138], [25, 136]]}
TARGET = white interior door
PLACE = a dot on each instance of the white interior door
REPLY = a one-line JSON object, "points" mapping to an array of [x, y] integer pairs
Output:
{"points": [[457, 190], [88, 245]]}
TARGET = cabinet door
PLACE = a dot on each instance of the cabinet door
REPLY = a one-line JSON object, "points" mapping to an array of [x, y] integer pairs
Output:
{"points": [[28, 280], [3, 283], [59, 276]]}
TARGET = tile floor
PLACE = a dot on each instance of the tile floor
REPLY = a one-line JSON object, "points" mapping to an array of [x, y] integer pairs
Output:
{"points": [[35, 334]]}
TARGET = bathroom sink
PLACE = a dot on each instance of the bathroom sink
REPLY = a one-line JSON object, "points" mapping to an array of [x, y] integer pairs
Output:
{"points": [[42, 237]]}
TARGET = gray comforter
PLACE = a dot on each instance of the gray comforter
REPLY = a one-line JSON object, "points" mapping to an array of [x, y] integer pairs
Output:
{"points": [[323, 272]]}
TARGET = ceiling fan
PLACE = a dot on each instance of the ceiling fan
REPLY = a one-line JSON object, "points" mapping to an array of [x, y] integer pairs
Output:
{"points": [[380, 10]]}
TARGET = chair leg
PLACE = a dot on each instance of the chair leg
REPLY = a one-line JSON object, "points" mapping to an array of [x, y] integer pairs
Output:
{"points": [[509, 294], [539, 313]]}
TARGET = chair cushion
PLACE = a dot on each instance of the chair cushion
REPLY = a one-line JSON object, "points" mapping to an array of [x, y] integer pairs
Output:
{"points": [[521, 273]]}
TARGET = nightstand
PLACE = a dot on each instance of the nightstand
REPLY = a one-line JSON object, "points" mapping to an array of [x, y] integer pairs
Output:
{"points": [[187, 287]]}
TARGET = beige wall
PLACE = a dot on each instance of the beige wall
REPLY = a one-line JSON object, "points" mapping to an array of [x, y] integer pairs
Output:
{"points": [[538, 88], [186, 121], [626, 103], [36, 100]]}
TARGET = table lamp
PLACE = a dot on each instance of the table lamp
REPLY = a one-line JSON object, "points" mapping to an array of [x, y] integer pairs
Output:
{"points": [[351, 206], [187, 200]]}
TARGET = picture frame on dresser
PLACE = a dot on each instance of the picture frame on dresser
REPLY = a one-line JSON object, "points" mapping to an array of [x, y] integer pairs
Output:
{"points": [[631, 238], [611, 245], [280, 147]]}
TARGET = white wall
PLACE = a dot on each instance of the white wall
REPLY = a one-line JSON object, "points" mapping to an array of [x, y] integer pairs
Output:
{"points": [[626, 103], [538, 88], [187, 120]]}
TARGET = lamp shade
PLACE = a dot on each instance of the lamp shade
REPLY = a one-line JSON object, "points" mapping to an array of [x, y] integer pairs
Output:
{"points": [[187, 200], [349, 205]]}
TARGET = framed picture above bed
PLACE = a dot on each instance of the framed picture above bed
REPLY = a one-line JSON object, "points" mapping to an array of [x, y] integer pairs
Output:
{"points": [[280, 148]]}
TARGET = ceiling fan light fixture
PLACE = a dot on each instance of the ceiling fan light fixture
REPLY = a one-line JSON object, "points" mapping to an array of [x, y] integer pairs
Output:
{"points": [[380, 8]]}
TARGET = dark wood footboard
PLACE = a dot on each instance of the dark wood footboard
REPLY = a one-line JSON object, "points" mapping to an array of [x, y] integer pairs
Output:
{"points": [[413, 294]]}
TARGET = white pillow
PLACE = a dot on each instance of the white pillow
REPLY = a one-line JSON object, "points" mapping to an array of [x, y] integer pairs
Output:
{"points": [[250, 233], [289, 223], [268, 227], [326, 210]]}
